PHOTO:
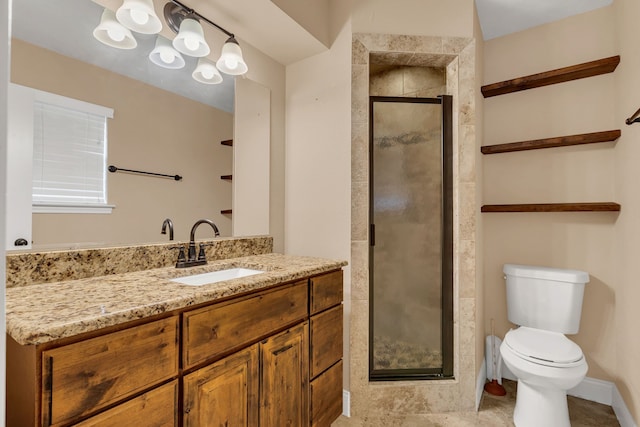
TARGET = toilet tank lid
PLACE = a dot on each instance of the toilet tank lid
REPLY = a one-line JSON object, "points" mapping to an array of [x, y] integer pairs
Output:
{"points": [[546, 273]]}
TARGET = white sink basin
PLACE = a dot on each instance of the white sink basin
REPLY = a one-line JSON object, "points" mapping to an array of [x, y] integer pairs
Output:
{"points": [[216, 276]]}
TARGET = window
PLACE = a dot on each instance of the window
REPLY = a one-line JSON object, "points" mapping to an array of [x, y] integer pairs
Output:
{"points": [[69, 155]]}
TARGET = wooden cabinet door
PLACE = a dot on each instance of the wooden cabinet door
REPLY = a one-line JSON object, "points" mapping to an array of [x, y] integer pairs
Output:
{"points": [[224, 393], [284, 386]]}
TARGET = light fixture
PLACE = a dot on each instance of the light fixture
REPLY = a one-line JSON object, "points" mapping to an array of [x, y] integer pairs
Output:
{"points": [[139, 16], [165, 55], [207, 73], [231, 61], [112, 33], [190, 39]]}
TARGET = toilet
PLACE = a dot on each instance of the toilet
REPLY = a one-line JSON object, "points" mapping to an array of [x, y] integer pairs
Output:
{"points": [[546, 304]]}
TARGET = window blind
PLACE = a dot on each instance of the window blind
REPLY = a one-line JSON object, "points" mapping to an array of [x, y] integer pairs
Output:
{"points": [[69, 156]]}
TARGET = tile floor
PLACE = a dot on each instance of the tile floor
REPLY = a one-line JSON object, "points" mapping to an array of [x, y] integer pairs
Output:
{"points": [[494, 412]]}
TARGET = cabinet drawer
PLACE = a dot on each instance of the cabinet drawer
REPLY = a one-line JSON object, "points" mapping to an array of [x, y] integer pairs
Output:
{"points": [[214, 330], [326, 397], [326, 340], [326, 291], [156, 408], [89, 375]]}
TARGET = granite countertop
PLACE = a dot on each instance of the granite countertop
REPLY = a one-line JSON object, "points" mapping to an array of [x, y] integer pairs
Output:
{"points": [[40, 313]]}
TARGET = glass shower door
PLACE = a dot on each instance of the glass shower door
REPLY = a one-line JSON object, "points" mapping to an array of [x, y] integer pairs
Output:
{"points": [[411, 238]]}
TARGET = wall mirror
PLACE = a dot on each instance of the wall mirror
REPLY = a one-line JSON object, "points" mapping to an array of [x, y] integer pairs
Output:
{"points": [[164, 122]]}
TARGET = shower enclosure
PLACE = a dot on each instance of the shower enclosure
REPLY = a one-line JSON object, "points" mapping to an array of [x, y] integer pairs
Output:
{"points": [[411, 238]]}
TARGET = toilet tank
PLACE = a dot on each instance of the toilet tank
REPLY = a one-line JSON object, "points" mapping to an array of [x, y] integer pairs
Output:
{"points": [[545, 298]]}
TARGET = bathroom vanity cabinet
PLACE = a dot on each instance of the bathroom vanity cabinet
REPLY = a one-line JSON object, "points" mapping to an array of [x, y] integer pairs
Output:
{"points": [[267, 358]]}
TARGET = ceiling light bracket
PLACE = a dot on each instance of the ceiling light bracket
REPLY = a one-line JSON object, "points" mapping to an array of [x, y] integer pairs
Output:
{"points": [[175, 12], [174, 15]]}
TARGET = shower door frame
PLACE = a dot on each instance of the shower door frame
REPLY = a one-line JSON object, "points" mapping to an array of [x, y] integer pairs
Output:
{"points": [[446, 371]]}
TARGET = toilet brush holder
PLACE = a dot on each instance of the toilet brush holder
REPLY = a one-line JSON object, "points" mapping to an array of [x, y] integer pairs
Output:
{"points": [[493, 387]]}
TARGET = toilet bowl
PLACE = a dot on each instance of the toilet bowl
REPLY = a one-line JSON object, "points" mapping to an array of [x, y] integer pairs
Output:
{"points": [[547, 364], [546, 303]]}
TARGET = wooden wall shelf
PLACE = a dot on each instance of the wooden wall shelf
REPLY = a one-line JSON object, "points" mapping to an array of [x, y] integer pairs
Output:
{"points": [[560, 75], [229, 143], [560, 141], [554, 207]]}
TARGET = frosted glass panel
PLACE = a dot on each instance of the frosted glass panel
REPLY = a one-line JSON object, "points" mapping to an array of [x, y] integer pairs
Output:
{"points": [[407, 211]]}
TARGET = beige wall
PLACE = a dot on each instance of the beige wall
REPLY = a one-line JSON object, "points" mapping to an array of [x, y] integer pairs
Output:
{"points": [[173, 135], [414, 17], [271, 74], [583, 241], [251, 151], [313, 15], [317, 161], [627, 227], [318, 165]]}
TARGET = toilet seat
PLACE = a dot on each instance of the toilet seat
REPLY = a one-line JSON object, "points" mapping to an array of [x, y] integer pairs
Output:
{"points": [[544, 347]]}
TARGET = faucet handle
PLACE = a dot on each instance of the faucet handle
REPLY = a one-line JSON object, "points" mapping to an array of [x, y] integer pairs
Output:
{"points": [[201, 253], [181, 256]]}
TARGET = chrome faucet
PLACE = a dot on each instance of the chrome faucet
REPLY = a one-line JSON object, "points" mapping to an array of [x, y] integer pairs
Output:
{"points": [[164, 228], [201, 259]]}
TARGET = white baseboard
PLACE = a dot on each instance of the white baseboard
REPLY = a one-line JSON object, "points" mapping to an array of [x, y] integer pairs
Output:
{"points": [[346, 403], [622, 412], [594, 390], [482, 378], [607, 393]]}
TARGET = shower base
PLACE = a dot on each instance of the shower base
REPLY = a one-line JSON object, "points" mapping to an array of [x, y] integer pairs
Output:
{"points": [[393, 354]]}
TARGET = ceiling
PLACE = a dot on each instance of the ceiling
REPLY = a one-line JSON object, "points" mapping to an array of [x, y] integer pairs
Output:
{"points": [[502, 17], [258, 24]]}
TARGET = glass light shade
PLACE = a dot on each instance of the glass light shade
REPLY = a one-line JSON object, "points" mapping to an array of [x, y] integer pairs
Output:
{"points": [[112, 33], [190, 39], [139, 16], [165, 55], [207, 73], [231, 61]]}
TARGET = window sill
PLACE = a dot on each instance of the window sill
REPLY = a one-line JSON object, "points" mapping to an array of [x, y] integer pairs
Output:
{"points": [[71, 208]]}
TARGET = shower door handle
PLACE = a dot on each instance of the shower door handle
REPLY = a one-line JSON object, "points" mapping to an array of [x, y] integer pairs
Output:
{"points": [[372, 234]]}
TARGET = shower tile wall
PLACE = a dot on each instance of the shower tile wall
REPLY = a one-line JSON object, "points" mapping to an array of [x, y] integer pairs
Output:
{"points": [[398, 80], [407, 268], [457, 57]]}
